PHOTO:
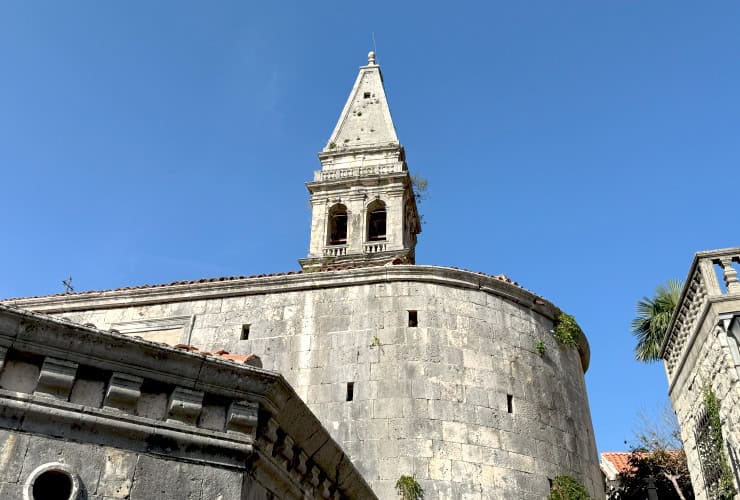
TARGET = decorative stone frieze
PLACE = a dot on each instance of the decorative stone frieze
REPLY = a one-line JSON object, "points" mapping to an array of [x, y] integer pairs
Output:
{"points": [[123, 392], [284, 451], [299, 468], [185, 406], [56, 378], [242, 418], [268, 436]]}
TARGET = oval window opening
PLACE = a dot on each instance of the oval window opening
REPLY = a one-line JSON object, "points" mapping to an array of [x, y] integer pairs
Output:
{"points": [[52, 485]]}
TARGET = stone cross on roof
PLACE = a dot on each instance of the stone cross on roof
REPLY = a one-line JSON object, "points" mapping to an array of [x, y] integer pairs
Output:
{"points": [[366, 118]]}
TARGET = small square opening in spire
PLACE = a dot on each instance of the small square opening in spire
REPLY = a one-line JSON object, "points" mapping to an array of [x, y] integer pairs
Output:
{"points": [[367, 95]]}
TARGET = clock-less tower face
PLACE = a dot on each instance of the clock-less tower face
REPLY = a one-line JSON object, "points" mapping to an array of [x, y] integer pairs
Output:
{"points": [[362, 202]]}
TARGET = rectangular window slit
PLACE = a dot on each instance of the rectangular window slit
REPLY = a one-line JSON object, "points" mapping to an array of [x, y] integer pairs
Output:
{"points": [[350, 391], [510, 403], [245, 333], [367, 95], [413, 319]]}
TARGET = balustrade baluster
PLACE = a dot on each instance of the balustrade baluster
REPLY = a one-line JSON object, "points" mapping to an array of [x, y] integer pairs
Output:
{"points": [[729, 274]]}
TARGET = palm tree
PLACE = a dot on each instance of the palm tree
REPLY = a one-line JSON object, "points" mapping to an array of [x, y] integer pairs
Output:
{"points": [[653, 315]]}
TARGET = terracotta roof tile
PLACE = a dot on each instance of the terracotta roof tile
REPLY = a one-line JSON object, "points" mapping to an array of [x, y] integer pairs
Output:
{"points": [[247, 359], [619, 459]]}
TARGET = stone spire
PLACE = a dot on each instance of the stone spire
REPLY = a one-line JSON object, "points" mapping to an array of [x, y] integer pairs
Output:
{"points": [[366, 119], [363, 206]]}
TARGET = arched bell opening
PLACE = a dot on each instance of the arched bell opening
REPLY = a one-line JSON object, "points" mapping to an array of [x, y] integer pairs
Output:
{"points": [[338, 225], [376, 221]]}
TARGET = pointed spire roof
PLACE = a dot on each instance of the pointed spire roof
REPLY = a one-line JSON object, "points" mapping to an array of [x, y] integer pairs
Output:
{"points": [[366, 119]]}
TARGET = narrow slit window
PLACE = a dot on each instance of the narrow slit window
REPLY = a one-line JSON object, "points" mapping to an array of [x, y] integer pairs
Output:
{"points": [[350, 391], [413, 319], [509, 403], [367, 95], [245, 332]]}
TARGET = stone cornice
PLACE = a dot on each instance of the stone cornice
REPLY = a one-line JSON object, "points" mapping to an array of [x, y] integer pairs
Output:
{"points": [[295, 282], [251, 390], [352, 151], [345, 183]]}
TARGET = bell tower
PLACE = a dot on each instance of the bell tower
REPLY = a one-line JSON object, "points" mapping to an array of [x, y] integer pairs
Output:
{"points": [[363, 210]]}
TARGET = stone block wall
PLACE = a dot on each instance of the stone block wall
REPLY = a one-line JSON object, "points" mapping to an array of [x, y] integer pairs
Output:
{"points": [[708, 363], [460, 398], [109, 473]]}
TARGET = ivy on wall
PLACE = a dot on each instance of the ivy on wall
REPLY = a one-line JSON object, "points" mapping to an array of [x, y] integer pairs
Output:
{"points": [[566, 330], [567, 488], [724, 488]]}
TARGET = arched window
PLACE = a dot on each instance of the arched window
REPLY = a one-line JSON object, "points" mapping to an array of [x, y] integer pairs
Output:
{"points": [[376, 221], [338, 225]]}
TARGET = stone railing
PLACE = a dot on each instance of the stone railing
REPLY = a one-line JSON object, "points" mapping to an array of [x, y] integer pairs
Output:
{"points": [[344, 173], [375, 247], [701, 285], [335, 251]]}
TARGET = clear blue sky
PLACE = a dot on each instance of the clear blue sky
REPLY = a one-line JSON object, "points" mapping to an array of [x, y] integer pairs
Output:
{"points": [[586, 149]]}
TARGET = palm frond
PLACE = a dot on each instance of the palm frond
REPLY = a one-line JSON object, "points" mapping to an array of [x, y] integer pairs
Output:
{"points": [[653, 316]]}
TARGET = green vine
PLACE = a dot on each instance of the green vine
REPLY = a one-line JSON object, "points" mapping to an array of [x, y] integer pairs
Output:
{"points": [[567, 488], [409, 489], [566, 330], [711, 404]]}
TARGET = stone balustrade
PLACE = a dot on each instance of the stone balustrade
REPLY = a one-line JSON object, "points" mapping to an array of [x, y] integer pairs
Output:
{"points": [[344, 173], [335, 251], [375, 247], [701, 286]]}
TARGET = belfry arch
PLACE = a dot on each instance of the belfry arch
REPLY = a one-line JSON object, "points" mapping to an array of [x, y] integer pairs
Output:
{"points": [[337, 225], [376, 221]]}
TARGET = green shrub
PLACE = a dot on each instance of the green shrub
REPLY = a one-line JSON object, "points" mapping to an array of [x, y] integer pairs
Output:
{"points": [[567, 488], [408, 489], [567, 331]]}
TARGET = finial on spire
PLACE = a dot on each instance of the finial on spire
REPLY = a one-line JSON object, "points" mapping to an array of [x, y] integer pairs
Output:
{"points": [[371, 58]]}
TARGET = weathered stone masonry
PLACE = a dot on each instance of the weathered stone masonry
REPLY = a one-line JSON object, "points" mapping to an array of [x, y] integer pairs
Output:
{"points": [[131, 419], [701, 351], [430, 400]]}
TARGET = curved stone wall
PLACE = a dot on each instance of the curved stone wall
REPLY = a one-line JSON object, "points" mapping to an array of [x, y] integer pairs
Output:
{"points": [[461, 399]]}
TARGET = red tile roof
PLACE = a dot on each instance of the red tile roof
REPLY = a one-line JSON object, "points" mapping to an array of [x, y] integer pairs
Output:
{"points": [[247, 359], [619, 459]]}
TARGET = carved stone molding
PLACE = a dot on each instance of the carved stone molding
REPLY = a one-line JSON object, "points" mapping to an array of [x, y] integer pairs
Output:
{"points": [[185, 406], [241, 418], [56, 378], [123, 392]]}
